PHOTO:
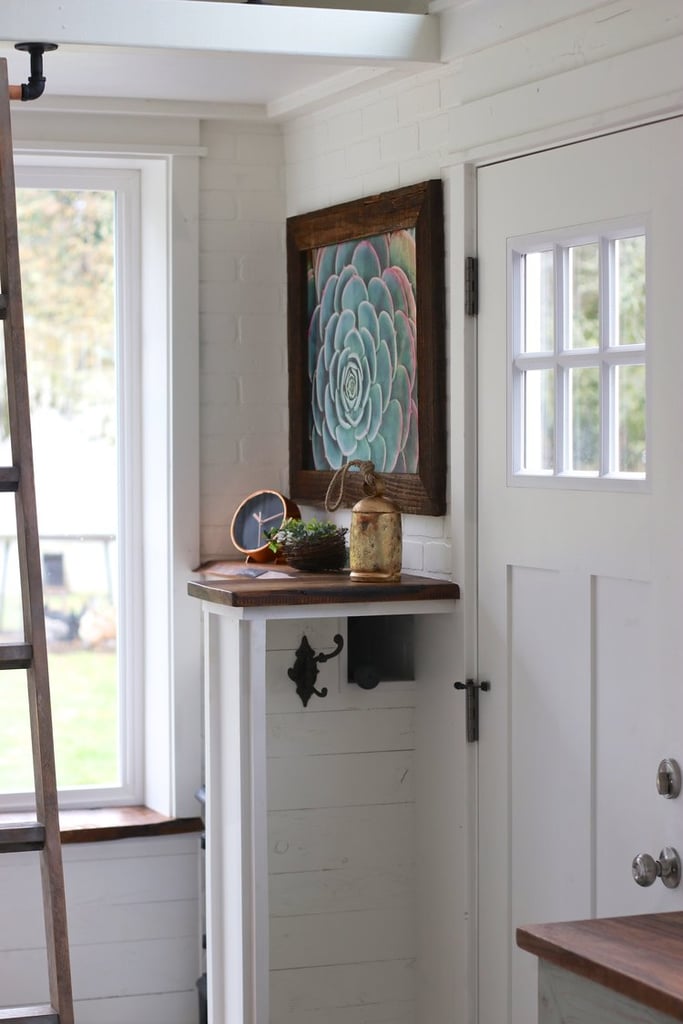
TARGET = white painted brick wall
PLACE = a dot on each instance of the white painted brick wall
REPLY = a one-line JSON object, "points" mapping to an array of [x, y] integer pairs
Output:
{"points": [[392, 136], [419, 100], [380, 115], [397, 144], [243, 363]]}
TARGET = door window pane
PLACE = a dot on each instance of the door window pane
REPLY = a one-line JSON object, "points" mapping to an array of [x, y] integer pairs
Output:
{"points": [[584, 291], [539, 421], [539, 306], [584, 405], [630, 402], [630, 291], [579, 367]]}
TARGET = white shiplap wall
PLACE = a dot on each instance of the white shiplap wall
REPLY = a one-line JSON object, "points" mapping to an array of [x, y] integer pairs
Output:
{"points": [[134, 921], [341, 840]]}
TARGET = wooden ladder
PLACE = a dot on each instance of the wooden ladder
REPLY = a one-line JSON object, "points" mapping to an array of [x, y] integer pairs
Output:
{"points": [[43, 834]]}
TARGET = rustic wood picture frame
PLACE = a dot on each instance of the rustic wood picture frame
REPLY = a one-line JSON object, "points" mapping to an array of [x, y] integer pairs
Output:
{"points": [[415, 211]]}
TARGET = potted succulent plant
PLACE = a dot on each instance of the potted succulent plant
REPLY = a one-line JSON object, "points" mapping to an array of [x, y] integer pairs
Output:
{"points": [[313, 545]]}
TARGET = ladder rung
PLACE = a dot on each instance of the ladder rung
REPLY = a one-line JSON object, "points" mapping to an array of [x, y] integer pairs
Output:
{"points": [[15, 656], [9, 479], [19, 837], [29, 1015]]}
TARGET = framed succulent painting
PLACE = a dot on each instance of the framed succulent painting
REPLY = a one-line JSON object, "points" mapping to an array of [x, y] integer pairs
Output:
{"points": [[366, 346]]}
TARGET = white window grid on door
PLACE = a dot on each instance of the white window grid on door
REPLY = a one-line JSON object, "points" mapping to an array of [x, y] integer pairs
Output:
{"points": [[561, 358]]}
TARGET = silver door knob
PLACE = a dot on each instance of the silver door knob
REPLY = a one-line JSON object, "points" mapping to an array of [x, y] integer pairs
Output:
{"points": [[646, 870], [669, 778]]}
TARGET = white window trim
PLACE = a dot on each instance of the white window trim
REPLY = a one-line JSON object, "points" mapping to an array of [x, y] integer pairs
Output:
{"points": [[168, 464], [605, 356]]}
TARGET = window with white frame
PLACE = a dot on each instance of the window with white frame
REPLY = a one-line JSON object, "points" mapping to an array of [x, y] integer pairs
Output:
{"points": [[146, 283], [79, 237], [578, 337]]}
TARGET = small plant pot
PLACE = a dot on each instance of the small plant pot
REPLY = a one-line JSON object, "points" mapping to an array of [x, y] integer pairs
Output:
{"points": [[324, 554]]}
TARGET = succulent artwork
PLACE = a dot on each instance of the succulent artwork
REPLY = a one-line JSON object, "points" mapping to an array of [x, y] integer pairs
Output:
{"points": [[362, 357]]}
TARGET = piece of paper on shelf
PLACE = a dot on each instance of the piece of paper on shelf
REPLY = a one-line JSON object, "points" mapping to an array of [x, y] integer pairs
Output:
{"points": [[230, 569]]}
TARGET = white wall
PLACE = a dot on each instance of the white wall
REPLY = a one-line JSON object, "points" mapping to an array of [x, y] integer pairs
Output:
{"points": [[243, 334], [341, 841], [367, 836], [134, 921]]}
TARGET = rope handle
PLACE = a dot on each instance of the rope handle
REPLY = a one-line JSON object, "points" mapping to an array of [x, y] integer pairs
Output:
{"points": [[372, 484]]}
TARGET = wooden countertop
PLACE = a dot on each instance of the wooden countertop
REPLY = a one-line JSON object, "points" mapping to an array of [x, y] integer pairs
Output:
{"points": [[640, 957], [234, 586]]}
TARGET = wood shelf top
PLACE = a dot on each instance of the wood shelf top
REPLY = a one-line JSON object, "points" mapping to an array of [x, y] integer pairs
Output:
{"points": [[639, 957], [262, 586], [104, 824]]}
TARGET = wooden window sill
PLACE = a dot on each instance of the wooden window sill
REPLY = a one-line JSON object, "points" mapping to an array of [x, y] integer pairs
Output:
{"points": [[103, 824]]}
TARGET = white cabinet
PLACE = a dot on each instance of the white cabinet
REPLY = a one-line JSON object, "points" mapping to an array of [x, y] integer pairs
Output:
{"points": [[251, 627]]}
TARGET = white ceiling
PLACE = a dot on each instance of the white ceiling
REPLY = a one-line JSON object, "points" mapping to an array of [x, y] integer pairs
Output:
{"points": [[278, 58], [174, 75]]}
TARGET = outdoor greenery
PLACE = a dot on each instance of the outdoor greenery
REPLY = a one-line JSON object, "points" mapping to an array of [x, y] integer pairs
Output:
{"points": [[83, 687], [67, 252], [629, 330], [584, 333], [67, 271]]}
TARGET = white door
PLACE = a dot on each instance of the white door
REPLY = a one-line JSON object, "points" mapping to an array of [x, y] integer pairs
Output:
{"points": [[581, 577]]}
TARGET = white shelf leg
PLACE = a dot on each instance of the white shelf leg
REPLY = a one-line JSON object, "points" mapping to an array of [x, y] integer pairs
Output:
{"points": [[236, 820]]}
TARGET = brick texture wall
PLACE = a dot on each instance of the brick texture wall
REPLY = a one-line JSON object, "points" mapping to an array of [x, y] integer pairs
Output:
{"points": [[386, 138], [252, 177], [243, 355]]}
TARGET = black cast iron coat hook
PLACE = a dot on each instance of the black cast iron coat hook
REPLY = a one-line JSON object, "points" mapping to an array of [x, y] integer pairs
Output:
{"points": [[304, 671]]}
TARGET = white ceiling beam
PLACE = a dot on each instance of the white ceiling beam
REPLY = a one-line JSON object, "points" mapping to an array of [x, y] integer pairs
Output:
{"points": [[201, 25]]}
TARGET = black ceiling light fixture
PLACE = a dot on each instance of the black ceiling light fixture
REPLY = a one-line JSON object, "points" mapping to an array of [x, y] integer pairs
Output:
{"points": [[35, 86]]}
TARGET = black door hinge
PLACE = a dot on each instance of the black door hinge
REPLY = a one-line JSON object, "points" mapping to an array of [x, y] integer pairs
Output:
{"points": [[471, 285], [472, 707]]}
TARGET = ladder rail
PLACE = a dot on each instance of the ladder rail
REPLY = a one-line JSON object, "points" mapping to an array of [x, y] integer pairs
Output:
{"points": [[52, 873]]}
